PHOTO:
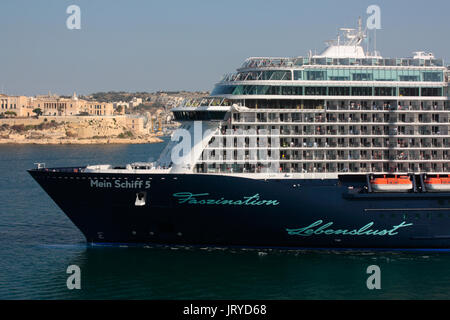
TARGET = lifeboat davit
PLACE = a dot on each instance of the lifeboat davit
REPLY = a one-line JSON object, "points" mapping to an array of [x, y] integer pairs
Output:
{"points": [[395, 184], [437, 184]]}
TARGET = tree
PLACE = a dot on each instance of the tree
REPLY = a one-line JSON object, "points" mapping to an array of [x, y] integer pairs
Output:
{"points": [[38, 111]]}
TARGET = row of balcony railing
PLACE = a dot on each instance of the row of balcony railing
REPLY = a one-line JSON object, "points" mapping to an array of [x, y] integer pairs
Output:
{"points": [[343, 119], [332, 143], [238, 169], [318, 167], [441, 106], [335, 157], [350, 132], [413, 107]]}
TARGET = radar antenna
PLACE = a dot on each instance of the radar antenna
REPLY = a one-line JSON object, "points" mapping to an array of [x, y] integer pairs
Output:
{"points": [[354, 37]]}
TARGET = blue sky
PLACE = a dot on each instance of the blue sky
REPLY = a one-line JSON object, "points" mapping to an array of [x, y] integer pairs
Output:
{"points": [[139, 45]]}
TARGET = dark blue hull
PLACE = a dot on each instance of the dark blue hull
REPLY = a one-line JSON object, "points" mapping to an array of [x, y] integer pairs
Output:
{"points": [[214, 210]]}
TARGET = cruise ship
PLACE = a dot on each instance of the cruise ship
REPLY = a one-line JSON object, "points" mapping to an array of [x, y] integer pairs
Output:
{"points": [[343, 149]]}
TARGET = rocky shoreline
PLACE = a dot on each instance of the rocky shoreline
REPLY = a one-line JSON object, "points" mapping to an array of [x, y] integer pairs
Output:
{"points": [[76, 130], [44, 141]]}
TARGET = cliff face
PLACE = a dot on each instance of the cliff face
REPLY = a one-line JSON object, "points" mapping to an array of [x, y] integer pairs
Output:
{"points": [[95, 128], [75, 131]]}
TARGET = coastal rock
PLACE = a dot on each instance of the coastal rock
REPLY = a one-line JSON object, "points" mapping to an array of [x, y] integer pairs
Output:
{"points": [[80, 130]]}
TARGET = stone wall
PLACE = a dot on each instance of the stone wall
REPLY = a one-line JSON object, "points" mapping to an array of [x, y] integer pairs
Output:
{"points": [[71, 127]]}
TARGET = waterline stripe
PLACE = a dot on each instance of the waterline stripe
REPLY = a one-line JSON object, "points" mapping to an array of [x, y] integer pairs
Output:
{"points": [[409, 209]]}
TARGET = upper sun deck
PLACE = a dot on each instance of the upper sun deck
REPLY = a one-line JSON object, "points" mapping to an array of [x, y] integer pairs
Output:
{"points": [[344, 63], [300, 62], [346, 50]]}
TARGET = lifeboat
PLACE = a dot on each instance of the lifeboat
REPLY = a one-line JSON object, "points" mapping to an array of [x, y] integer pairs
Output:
{"points": [[437, 184], [395, 184]]}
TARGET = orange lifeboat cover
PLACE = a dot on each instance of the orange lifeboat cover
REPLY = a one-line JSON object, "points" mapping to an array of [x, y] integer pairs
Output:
{"points": [[395, 180], [437, 180]]}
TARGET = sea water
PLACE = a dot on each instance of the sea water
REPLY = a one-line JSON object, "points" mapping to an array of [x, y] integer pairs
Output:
{"points": [[38, 243]]}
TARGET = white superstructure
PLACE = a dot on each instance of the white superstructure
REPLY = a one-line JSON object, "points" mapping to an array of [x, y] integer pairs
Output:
{"points": [[344, 111]]}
